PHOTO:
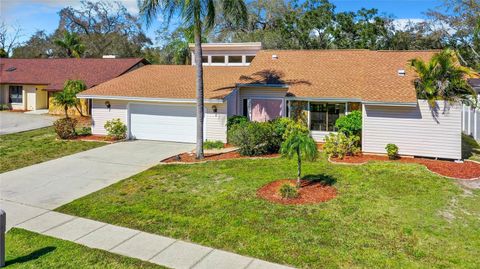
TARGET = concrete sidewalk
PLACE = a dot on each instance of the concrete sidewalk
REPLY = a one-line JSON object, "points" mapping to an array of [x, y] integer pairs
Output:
{"points": [[153, 248]]}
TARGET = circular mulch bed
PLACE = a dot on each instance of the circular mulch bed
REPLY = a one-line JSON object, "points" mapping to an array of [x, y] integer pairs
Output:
{"points": [[467, 170], [311, 192]]}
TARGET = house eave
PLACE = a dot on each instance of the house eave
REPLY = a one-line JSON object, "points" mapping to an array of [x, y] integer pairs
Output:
{"points": [[150, 99], [260, 85], [323, 99], [381, 103]]}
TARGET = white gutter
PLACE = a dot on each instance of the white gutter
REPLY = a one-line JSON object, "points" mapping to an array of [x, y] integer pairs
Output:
{"points": [[149, 99], [323, 99], [260, 85], [375, 103]]}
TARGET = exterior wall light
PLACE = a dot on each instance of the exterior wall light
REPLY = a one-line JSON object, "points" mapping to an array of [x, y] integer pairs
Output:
{"points": [[107, 104], [215, 109]]}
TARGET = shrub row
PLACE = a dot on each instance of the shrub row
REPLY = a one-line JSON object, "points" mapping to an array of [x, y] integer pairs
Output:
{"points": [[257, 138]]}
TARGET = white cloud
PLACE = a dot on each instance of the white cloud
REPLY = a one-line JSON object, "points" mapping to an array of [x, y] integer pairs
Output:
{"points": [[402, 24]]}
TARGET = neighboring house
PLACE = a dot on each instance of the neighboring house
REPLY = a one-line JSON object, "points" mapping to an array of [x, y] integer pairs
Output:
{"points": [[158, 102], [29, 84]]}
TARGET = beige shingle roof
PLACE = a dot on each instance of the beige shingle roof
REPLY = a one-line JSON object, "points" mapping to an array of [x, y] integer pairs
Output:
{"points": [[346, 74], [350, 74], [170, 81]]}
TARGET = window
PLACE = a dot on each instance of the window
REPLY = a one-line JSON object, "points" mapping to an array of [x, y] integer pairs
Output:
{"points": [[15, 94], [218, 59], [235, 59], [324, 115], [249, 58], [205, 59]]}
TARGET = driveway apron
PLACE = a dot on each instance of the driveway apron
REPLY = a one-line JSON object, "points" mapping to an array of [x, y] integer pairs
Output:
{"points": [[51, 184]]}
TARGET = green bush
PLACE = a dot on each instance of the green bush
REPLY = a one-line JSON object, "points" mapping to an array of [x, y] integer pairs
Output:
{"points": [[281, 127], [288, 191], [392, 151], [235, 120], [65, 128], [255, 138], [350, 124], [85, 131], [213, 144], [340, 145], [116, 129]]}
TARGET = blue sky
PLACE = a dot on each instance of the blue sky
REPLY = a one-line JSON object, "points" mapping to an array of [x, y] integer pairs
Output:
{"points": [[32, 15]]}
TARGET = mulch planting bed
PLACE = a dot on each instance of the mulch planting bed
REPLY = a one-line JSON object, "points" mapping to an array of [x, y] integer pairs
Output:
{"points": [[466, 170], [189, 157], [311, 192]]}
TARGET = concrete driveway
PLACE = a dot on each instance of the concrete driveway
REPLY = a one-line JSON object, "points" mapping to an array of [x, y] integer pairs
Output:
{"points": [[51, 184], [14, 122]]}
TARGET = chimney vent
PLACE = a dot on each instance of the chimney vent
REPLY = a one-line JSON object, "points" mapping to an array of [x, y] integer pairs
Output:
{"points": [[401, 72], [274, 57], [109, 56]]}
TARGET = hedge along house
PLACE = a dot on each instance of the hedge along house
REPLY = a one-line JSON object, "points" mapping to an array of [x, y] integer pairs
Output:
{"points": [[29, 84], [318, 86]]}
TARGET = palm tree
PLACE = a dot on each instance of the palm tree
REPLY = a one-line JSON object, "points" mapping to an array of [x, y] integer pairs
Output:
{"points": [[72, 44], [442, 78], [75, 87], [200, 15], [299, 143], [66, 99]]}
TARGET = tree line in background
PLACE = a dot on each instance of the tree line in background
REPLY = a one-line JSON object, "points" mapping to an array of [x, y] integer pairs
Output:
{"points": [[100, 28]]}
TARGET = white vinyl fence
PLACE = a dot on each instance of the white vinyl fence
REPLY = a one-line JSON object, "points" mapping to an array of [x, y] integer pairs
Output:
{"points": [[471, 122]]}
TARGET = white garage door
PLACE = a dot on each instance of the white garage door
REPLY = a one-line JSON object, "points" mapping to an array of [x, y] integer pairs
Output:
{"points": [[163, 122]]}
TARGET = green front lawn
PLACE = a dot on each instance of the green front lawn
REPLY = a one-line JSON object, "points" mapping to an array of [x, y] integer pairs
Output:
{"points": [[27, 148], [386, 215], [470, 148], [31, 250]]}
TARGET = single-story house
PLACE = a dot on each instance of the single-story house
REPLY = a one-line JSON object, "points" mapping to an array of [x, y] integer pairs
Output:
{"points": [[28, 84], [158, 102]]}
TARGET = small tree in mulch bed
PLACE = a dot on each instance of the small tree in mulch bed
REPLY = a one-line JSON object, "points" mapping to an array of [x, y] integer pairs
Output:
{"points": [[299, 143]]}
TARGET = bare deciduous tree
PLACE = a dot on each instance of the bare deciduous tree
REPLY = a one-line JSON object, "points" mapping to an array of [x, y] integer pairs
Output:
{"points": [[9, 38]]}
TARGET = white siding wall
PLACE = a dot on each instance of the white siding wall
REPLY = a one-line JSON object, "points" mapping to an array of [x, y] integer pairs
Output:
{"points": [[215, 123], [471, 122], [101, 114], [413, 129], [319, 136], [232, 101]]}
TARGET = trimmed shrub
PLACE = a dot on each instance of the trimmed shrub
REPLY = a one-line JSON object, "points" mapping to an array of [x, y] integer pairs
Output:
{"points": [[116, 129], [281, 127], [85, 131], [350, 124], [213, 144], [288, 191], [255, 138], [392, 151], [235, 120], [340, 145], [65, 128]]}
